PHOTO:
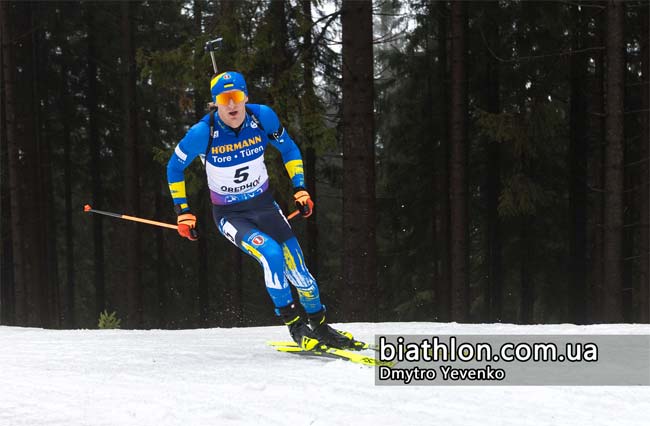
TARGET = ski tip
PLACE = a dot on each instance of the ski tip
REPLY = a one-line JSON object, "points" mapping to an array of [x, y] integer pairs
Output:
{"points": [[281, 343], [87, 208]]}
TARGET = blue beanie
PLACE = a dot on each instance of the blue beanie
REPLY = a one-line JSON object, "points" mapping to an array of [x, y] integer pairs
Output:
{"points": [[225, 81]]}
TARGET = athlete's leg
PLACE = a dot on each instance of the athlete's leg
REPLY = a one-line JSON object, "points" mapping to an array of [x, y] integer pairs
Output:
{"points": [[296, 271], [244, 233], [266, 251], [272, 221]]}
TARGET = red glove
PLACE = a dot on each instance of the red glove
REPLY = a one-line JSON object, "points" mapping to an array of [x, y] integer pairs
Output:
{"points": [[303, 202], [187, 226]]}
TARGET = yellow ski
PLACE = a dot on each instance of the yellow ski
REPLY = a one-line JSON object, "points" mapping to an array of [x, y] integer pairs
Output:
{"points": [[288, 343], [325, 351]]}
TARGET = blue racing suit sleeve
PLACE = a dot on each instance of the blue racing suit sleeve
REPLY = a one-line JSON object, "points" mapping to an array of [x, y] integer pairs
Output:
{"points": [[281, 140], [193, 144]]}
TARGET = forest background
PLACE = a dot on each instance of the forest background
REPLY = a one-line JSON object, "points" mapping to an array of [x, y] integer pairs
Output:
{"points": [[469, 161]]}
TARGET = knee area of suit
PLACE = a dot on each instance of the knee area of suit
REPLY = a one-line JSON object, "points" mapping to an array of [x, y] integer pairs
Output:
{"points": [[272, 251]]}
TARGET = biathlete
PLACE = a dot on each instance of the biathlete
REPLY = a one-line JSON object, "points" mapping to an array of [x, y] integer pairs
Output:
{"points": [[232, 141]]}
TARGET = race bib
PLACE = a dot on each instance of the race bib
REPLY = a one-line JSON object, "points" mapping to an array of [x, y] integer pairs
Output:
{"points": [[238, 179]]}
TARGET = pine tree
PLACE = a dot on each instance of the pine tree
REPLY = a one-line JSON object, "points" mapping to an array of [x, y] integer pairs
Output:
{"points": [[359, 245], [613, 210], [28, 166], [458, 185]]}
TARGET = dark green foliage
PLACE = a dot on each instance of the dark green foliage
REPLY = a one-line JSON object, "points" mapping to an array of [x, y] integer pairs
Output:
{"points": [[532, 130], [266, 42], [108, 321]]}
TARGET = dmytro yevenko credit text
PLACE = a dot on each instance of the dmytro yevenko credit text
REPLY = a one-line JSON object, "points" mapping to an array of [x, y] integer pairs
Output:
{"points": [[514, 359]]}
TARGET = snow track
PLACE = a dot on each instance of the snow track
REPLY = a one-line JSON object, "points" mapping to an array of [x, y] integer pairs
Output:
{"points": [[197, 377]]}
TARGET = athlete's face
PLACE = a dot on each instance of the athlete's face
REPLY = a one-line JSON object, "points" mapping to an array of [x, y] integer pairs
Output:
{"points": [[232, 107]]}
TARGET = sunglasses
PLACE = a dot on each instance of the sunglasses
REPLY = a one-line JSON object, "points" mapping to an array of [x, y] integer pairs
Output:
{"points": [[236, 96]]}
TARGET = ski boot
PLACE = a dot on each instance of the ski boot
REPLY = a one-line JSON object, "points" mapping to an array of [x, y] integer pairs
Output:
{"points": [[298, 328], [330, 336]]}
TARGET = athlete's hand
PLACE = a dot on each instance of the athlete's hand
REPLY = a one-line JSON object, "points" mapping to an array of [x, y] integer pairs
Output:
{"points": [[303, 202], [187, 226]]}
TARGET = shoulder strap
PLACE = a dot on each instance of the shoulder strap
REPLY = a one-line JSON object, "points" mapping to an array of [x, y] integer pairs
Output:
{"points": [[257, 121], [254, 117], [275, 135], [207, 148]]}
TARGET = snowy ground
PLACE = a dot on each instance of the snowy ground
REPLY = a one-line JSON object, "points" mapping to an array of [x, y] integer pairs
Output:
{"points": [[199, 377]]}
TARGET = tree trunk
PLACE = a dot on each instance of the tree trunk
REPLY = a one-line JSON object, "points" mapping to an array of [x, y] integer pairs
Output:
{"points": [[7, 300], [69, 319], [132, 280], [279, 57], [458, 166], [161, 257], [527, 297], [614, 151], [96, 169], [311, 102], [237, 289], [578, 177], [493, 187], [644, 284], [47, 235], [203, 278], [232, 311], [596, 167], [442, 230], [27, 160], [359, 210]]}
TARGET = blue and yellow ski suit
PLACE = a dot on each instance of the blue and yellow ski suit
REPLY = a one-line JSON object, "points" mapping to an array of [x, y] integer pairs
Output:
{"points": [[243, 207]]}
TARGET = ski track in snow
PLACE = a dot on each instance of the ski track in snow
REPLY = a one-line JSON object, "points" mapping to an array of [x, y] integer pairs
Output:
{"points": [[231, 377]]}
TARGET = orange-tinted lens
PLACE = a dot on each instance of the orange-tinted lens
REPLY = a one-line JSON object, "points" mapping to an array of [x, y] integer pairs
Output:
{"points": [[236, 95]]}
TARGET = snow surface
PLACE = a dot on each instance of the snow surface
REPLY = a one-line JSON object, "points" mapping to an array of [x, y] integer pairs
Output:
{"points": [[231, 377]]}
